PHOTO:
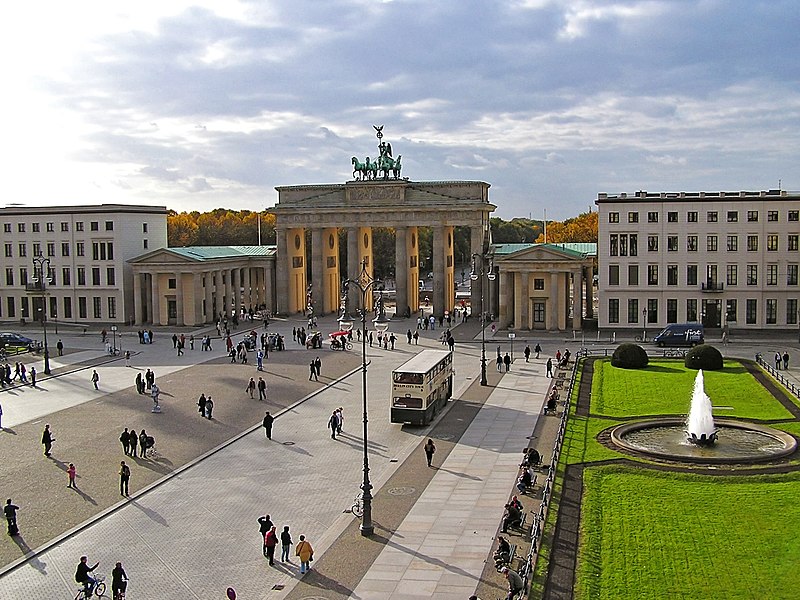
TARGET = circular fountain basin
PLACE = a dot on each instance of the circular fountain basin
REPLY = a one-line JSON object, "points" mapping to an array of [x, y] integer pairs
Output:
{"points": [[736, 441]]}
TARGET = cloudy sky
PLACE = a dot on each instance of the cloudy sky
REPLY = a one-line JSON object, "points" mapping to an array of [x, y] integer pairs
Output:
{"points": [[198, 105]]}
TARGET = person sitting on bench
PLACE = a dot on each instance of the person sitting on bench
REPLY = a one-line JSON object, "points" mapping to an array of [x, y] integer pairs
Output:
{"points": [[524, 481], [515, 583], [502, 556], [515, 501], [512, 518], [532, 458]]}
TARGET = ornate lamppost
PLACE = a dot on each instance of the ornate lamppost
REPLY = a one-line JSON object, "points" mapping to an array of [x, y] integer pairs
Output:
{"points": [[485, 269], [644, 324], [40, 281], [365, 284]]}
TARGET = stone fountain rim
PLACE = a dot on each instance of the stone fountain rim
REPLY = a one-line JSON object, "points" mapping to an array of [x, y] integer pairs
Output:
{"points": [[788, 441]]}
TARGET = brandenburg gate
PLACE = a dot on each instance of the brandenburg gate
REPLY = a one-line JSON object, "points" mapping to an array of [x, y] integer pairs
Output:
{"points": [[377, 197]]}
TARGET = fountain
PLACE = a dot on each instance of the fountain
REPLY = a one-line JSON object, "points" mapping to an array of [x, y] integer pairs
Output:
{"points": [[700, 423], [699, 439]]}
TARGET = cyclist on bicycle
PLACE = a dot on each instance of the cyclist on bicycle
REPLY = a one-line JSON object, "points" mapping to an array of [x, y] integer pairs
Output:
{"points": [[119, 581], [82, 575]]}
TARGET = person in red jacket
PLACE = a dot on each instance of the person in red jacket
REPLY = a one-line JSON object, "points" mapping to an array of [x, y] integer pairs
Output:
{"points": [[270, 541]]}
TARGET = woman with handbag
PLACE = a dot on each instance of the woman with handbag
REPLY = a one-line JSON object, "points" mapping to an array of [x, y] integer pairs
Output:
{"points": [[306, 554]]}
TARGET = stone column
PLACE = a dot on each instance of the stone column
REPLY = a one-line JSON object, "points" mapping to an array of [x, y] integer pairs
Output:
{"points": [[329, 301], [577, 291], [269, 291], [197, 299], [353, 268], [589, 293], [317, 269], [476, 247], [438, 269], [524, 300], [248, 288], [412, 264], [553, 305], [401, 271], [137, 297], [179, 299], [209, 316], [506, 299], [282, 272], [296, 266], [155, 298]]}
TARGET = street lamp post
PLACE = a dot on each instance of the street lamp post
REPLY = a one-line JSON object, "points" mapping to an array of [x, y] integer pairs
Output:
{"points": [[114, 335], [644, 324], [39, 264], [486, 270], [365, 284]]}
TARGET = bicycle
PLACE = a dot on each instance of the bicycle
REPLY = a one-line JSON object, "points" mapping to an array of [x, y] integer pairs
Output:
{"points": [[99, 589], [358, 506]]}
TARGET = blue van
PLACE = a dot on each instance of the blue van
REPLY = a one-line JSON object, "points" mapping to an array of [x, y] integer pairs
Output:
{"points": [[680, 334]]}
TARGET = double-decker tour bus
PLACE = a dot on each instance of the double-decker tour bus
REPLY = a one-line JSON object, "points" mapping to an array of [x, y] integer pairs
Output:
{"points": [[421, 387]]}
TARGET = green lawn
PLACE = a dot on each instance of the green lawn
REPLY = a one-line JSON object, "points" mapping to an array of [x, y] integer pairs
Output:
{"points": [[665, 387], [664, 535]]}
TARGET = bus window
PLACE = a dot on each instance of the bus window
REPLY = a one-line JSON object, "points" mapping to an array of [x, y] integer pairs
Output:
{"points": [[409, 378], [407, 402]]}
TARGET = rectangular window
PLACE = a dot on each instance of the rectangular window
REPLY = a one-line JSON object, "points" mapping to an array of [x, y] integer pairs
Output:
{"points": [[633, 217], [95, 251], [25, 308], [109, 225], [12, 311], [772, 243], [9, 276], [652, 274], [711, 216], [711, 243], [672, 274], [144, 225], [613, 242], [652, 243], [613, 274], [81, 275], [791, 274], [65, 276], [20, 227], [23, 251], [730, 310], [95, 276], [691, 243], [732, 275], [691, 275], [752, 274], [733, 243], [35, 228], [672, 243], [633, 275], [83, 313], [79, 226], [23, 276], [672, 216], [623, 245], [94, 226], [691, 310], [67, 307], [791, 311], [613, 217], [772, 311], [110, 250], [691, 216], [772, 274], [772, 215], [538, 312], [794, 215], [7, 227], [633, 310], [652, 310], [672, 310], [172, 283], [51, 227], [652, 217], [792, 243], [79, 249], [111, 276], [97, 307], [752, 243], [733, 216], [752, 216], [538, 283], [51, 249], [64, 226], [112, 307], [613, 310], [633, 245], [37, 249], [144, 244], [9, 249]]}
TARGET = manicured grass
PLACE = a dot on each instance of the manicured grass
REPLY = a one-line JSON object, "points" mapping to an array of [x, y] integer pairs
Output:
{"points": [[665, 387], [648, 534]]}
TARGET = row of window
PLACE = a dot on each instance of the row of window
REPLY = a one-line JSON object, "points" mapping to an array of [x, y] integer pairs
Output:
{"points": [[51, 227], [772, 275], [66, 276], [712, 216], [624, 244], [100, 250], [28, 307], [650, 313]]}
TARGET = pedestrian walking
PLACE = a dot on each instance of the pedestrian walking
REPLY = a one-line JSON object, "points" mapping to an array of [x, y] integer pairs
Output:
{"points": [[286, 542], [340, 419], [312, 371], [429, 448], [318, 367], [143, 443], [134, 443], [270, 542], [251, 387], [267, 425], [785, 360], [201, 403], [127, 358], [47, 440], [778, 361], [209, 407], [10, 512], [125, 440], [33, 376], [333, 424], [507, 362], [260, 360], [549, 367], [71, 472], [60, 348], [139, 383], [174, 340], [409, 336], [262, 389], [191, 342], [264, 525], [499, 362], [416, 338], [538, 350], [95, 378], [527, 353], [124, 477], [306, 554]]}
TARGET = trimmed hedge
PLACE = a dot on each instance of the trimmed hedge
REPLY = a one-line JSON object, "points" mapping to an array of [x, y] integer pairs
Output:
{"points": [[629, 356], [704, 357]]}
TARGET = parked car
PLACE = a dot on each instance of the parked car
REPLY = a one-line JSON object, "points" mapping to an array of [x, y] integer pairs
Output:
{"points": [[8, 338]]}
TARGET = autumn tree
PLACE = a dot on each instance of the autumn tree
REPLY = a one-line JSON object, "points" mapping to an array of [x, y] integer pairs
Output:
{"points": [[582, 228]]}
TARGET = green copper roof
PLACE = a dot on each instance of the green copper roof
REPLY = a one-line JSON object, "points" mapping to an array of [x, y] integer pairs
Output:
{"points": [[213, 252], [577, 248]]}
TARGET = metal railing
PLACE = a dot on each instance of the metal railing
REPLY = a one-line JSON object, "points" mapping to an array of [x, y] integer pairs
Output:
{"points": [[790, 386]]}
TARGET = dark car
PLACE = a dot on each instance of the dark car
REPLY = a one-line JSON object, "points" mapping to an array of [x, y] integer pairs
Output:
{"points": [[15, 340]]}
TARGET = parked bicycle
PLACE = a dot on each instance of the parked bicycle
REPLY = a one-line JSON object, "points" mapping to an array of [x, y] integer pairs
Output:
{"points": [[358, 506]]}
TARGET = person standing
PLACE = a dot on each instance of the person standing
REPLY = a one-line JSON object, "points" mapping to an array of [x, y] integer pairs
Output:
{"points": [[143, 443], [33, 376], [127, 358], [778, 360], [134, 443], [409, 336], [538, 350], [785, 360], [264, 525], [339, 419], [139, 383], [251, 388], [10, 512], [201, 403], [306, 554], [47, 440], [267, 425], [430, 448], [60, 348], [286, 542], [527, 353], [209, 407], [95, 378], [260, 360], [333, 424], [125, 440], [499, 362], [507, 362], [318, 367], [124, 478], [174, 340], [262, 389], [270, 542], [549, 367], [119, 581], [312, 371], [71, 473]]}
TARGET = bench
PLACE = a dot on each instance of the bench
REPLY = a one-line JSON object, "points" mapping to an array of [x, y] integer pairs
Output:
{"points": [[525, 491], [499, 564]]}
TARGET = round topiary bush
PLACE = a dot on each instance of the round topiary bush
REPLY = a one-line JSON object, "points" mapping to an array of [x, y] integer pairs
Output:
{"points": [[704, 357], [629, 356]]}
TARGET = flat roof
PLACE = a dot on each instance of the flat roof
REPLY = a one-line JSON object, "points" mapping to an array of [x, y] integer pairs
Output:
{"points": [[422, 362], [695, 196], [81, 209]]}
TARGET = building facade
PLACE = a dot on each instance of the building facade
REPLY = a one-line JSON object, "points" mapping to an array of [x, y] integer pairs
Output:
{"points": [[723, 259], [84, 251]]}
